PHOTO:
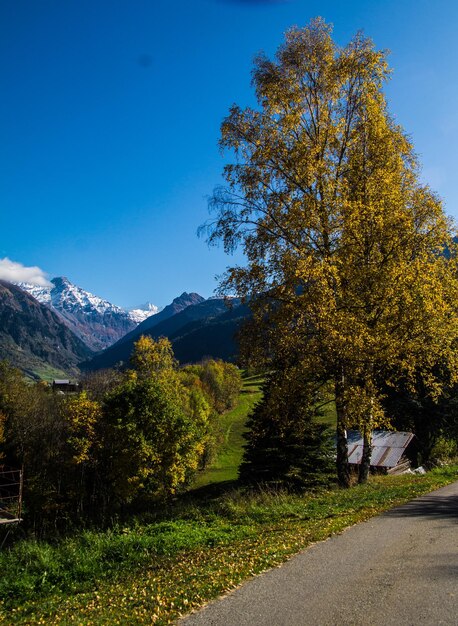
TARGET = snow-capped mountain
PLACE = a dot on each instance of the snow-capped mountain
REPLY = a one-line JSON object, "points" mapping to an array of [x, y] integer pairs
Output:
{"points": [[42, 294], [140, 313], [96, 321]]}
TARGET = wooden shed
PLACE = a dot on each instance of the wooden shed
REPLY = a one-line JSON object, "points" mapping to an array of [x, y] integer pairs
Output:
{"points": [[65, 385], [389, 450]]}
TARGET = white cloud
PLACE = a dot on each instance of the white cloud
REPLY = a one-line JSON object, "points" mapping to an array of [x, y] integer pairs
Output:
{"points": [[17, 273]]}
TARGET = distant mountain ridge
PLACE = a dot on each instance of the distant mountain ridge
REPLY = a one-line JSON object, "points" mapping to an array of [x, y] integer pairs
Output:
{"points": [[177, 305], [121, 351], [197, 328], [95, 321], [213, 337], [33, 337], [69, 324]]}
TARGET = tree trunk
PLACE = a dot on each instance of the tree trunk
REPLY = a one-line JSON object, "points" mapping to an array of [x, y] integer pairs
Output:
{"points": [[364, 468], [366, 459], [343, 469]]}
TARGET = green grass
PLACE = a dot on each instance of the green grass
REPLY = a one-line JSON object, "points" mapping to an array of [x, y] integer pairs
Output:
{"points": [[151, 572], [48, 373], [329, 414], [164, 564], [232, 424]]}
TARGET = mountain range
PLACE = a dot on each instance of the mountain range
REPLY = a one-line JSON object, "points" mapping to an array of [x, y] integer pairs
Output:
{"points": [[196, 327], [63, 329], [95, 321], [55, 330]]}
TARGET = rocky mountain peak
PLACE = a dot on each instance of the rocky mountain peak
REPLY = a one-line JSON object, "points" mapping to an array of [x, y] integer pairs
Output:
{"points": [[186, 299], [60, 281], [96, 321]]}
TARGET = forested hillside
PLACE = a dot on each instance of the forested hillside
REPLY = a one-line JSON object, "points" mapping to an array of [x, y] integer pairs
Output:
{"points": [[34, 338]]}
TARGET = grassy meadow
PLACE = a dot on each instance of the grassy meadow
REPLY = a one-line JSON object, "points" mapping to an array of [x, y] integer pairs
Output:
{"points": [[232, 424]]}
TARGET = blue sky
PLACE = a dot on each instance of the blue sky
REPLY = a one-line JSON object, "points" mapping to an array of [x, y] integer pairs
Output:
{"points": [[110, 113]]}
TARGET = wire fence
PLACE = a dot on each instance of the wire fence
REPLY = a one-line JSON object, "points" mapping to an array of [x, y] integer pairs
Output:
{"points": [[11, 482]]}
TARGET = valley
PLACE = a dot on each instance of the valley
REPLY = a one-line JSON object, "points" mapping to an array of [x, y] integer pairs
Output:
{"points": [[84, 332]]}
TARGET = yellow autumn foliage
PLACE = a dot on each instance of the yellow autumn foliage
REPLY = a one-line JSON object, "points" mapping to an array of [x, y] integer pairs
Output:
{"points": [[346, 271]]}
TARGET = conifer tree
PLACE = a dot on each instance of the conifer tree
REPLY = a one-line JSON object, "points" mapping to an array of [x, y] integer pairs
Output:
{"points": [[285, 443]]}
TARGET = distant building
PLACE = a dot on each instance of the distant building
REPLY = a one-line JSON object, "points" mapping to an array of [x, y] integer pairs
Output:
{"points": [[65, 385]]}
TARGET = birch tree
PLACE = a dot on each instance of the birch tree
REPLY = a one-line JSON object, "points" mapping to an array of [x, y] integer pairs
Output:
{"points": [[343, 244]]}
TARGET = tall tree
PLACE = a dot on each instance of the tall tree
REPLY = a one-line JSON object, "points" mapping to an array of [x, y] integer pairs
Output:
{"points": [[150, 443], [343, 243]]}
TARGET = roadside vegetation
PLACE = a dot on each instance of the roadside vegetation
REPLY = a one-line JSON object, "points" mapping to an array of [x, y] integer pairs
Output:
{"points": [[151, 571], [152, 565], [164, 557], [129, 440]]}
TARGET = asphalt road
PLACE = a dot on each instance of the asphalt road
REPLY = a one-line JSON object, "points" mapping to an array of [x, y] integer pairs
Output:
{"points": [[397, 569]]}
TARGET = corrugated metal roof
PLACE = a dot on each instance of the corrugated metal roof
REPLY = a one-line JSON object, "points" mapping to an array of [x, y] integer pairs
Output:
{"points": [[387, 447]]}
